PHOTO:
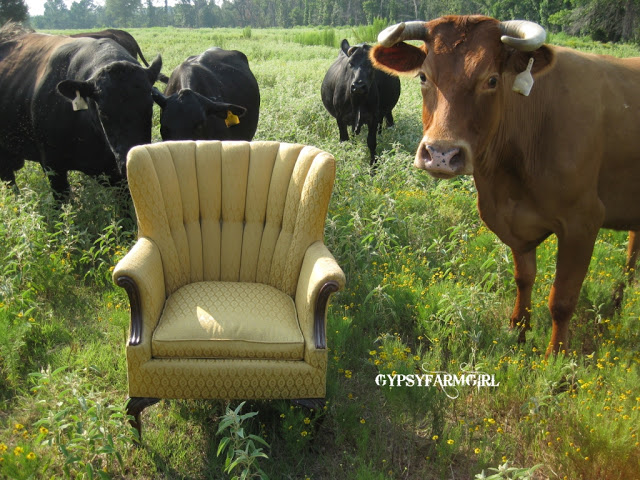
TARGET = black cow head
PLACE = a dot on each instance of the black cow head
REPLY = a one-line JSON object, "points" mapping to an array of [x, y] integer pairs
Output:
{"points": [[121, 94], [188, 115], [360, 69]]}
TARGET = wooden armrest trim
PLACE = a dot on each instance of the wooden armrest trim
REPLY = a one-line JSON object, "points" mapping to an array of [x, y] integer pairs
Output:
{"points": [[321, 311], [135, 303]]}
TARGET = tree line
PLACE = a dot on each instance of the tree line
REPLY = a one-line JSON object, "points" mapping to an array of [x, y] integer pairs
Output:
{"points": [[603, 20]]}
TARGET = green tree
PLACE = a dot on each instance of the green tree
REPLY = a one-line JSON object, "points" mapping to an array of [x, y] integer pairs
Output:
{"points": [[122, 13], [56, 14], [204, 14], [603, 20], [82, 14], [14, 10], [184, 15], [152, 15]]}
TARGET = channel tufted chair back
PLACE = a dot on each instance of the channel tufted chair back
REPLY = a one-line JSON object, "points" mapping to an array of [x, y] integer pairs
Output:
{"points": [[229, 280]]}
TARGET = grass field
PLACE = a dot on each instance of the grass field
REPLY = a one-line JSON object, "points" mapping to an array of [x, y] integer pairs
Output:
{"points": [[428, 287]]}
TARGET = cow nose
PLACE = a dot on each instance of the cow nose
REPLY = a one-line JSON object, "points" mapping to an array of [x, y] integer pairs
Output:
{"points": [[358, 87], [440, 161]]}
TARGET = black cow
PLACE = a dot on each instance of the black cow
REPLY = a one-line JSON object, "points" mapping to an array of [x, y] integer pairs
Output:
{"points": [[123, 38], [356, 94], [119, 36], [70, 104], [206, 94]]}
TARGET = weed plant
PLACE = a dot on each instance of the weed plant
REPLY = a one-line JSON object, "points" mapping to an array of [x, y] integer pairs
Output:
{"points": [[241, 451], [429, 288]]}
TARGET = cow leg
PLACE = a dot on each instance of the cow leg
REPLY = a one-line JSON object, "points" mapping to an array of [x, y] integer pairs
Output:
{"points": [[9, 176], [9, 164], [59, 184], [372, 143], [344, 133], [574, 255], [633, 249], [525, 276], [389, 118]]}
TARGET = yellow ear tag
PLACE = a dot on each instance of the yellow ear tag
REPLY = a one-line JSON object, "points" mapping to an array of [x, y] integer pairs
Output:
{"points": [[524, 81], [231, 119], [79, 103]]}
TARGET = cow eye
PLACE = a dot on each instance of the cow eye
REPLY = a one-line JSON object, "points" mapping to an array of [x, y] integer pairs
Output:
{"points": [[423, 77], [492, 82]]}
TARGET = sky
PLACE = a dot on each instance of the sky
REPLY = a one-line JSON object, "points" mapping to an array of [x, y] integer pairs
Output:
{"points": [[36, 7]]}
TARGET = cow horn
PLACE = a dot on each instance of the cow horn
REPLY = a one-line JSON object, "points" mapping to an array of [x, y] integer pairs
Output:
{"points": [[523, 35], [400, 32]]}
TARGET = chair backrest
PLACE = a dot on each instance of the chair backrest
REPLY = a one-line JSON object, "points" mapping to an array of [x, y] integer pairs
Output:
{"points": [[231, 211]]}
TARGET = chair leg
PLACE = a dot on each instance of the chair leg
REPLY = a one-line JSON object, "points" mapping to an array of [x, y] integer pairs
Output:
{"points": [[135, 405], [310, 403]]}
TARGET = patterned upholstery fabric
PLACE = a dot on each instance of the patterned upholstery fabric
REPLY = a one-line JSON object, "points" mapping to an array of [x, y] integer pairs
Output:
{"points": [[228, 268], [228, 320]]}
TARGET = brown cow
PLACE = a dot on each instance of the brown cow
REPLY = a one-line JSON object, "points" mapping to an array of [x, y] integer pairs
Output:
{"points": [[564, 160]]}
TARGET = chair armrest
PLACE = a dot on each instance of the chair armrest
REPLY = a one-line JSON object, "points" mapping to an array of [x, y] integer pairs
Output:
{"points": [[320, 276], [141, 274]]}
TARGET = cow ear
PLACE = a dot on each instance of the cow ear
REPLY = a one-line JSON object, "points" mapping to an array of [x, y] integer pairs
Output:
{"points": [[543, 60], [344, 46], [158, 97], [68, 88], [222, 109], [153, 71], [401, 58]]}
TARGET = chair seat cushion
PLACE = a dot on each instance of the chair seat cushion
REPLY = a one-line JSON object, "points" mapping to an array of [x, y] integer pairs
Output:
{"points": [[228, 320]]}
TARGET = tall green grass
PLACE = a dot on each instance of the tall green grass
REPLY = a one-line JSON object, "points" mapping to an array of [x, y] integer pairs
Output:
{"points": [[428, 286], [326, 37], [369, 33]]}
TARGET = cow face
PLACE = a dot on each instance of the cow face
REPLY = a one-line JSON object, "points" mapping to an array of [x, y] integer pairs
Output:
{"points": [[359, 71], [188, 115], [466, 74], [121, 94]]}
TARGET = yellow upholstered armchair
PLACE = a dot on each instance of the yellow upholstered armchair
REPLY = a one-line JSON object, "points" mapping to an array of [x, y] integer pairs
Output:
{"points": [[229, 279]]}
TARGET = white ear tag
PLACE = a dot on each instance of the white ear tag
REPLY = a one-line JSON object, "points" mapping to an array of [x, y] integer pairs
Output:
{"points": [[79, 103], [524, 81]]}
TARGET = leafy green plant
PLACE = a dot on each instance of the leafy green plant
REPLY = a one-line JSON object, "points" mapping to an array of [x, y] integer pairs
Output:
{"points": [[89, 431], [242, 452], [506, 472], [82, 434], [18, 460]]}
